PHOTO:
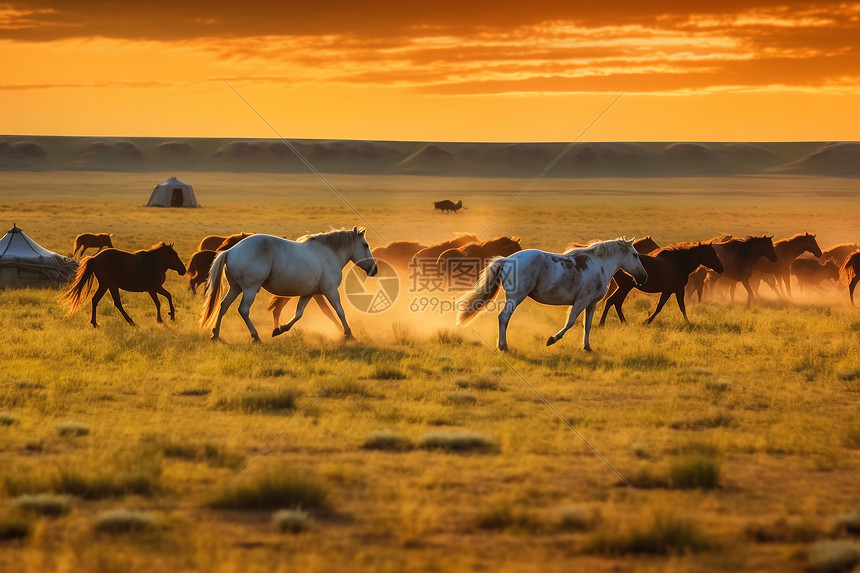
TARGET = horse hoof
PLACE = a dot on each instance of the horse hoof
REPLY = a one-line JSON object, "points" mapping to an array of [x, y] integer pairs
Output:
{"points": [[587, 348], [255, 339], [551, 340], [503, 348]]}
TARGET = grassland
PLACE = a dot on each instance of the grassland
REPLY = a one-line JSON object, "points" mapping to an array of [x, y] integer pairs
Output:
{"points": [[739, 431]]}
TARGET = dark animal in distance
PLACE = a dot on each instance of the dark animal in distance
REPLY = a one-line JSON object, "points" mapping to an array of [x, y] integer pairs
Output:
{"points": [[140, 271], [668, 272], [446, 206], [778, 274], [850, 272], [811, 273], [86, 241]]}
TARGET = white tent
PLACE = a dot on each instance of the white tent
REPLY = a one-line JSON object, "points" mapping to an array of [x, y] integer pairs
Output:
{"points": [[172, 193], [23, 262]]}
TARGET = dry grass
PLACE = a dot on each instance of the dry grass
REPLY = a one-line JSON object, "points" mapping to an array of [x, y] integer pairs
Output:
{"points": [[744, 422]]}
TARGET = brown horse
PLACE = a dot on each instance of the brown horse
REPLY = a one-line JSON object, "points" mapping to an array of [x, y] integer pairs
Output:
{"points": [[398, 253], [778, 274], [699, 277], [739, 257], [463, 265], [198, 268], [850, 272], [86, 241], [839, 253], [213, 242], [431, 253], [231, 241], [668, 271], [810, 273], [140, 271]]}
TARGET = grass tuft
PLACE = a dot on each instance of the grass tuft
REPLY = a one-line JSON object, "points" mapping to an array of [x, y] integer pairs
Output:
{"points": [[383, 372], [833, 556], [504, 517], [8, 419], [460, 397], [72, 429], [694, 472], [387, 440], [459, 442], [273, 489], [13, 529], [260, 400], [124, 521], [44, 504], [783, 531], [665, 535], [447, 337], [291, 520], [847, 523], [100, 486], [577, 518]]}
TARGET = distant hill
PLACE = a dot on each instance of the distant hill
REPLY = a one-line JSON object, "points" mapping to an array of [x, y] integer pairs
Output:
{"points": [[683, 159]]}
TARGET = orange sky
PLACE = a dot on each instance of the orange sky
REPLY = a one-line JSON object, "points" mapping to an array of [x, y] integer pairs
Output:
{"points": [[433, 70]]}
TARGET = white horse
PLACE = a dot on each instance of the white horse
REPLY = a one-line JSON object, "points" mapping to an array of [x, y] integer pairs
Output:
{"points": [[578, 278], [311, 265]]}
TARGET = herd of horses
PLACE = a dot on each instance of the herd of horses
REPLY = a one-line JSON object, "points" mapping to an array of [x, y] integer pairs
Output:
{"points": [[311, 267]]}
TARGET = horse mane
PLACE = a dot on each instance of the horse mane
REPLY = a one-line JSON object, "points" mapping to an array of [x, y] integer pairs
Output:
{"points": [[335, 239], [602, 249], [794, 238], [682, 246]]}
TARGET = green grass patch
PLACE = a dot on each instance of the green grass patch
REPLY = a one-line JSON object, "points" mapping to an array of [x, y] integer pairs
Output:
{"points": [[387, 440], [694, 472], [258, 400], [664, 535], [459, 442], [72, 429], [124, 521], [273, 490], [43, 504]]}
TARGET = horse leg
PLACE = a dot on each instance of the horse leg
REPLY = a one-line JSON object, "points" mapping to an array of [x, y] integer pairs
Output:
{"points": [[320, 300], [278, 306], [851, 286], [157, 306], [300, 310], [96, 298], [664, 296], [333, 298], [575, 311], [228, 299], [163, 292], [679, 296], [617, 300], [589, 316], [750, 293], [786, 278], [114, 293], [248, 296], [511, 305]]}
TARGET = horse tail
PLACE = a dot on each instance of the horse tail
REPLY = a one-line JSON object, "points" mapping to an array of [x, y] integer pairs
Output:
{"points": [[213, 290], [80, 288], [485, 290]]}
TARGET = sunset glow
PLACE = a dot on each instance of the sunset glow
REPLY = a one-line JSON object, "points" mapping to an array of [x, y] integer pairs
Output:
{"points": [[732, 71]]}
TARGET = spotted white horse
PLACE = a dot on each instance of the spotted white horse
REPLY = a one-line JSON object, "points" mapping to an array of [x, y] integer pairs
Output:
{"points": [[578, 278], [312, 265]]}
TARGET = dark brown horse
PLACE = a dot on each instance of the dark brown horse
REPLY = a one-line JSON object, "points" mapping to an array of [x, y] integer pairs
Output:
{"points": [[213, 242], [668, 271], [839, 253], [699, 278], [811, 273], [431, 253], [86, 241], [398, 253], [739, 257], [140, 271], [446, 206], [850, 272], [231, 241], [778, 275]]}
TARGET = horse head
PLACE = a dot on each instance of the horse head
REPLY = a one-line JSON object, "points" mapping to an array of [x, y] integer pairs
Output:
{"points": [[765, 247], [810, 244], [361, 254], [630, 262], [169, 259], [710, 258]]}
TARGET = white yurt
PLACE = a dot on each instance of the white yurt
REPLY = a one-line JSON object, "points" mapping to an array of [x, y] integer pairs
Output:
{"points": [[172, 193], [23, 263]]}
